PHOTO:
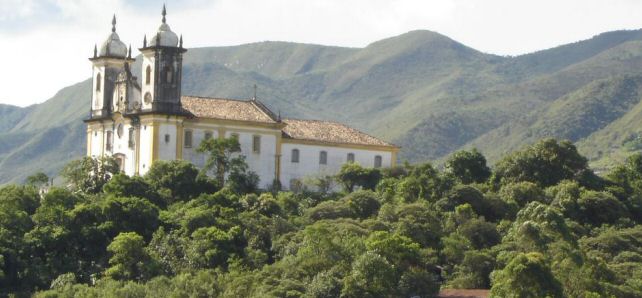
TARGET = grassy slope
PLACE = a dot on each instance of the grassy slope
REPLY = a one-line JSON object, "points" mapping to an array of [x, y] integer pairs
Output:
{"points": [[421, 90]]}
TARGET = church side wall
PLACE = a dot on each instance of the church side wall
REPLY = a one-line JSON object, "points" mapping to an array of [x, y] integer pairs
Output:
{"points": [[145, 143], [167, 145], [262, 162], [309, 157]]}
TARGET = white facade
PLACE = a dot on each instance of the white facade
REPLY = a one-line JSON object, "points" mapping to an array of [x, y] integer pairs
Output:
{"points": [[310, 161], [139, 122]]}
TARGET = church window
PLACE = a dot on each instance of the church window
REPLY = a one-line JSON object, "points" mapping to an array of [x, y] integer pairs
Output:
{"points": [[148, 97], [208, 135], [168, 74], [295, 155], [188, 139], [120, 160], [166, 138], [256, 144], [119, 130], [323, 158], [131, 141], [98, 82], [350, 157], [377, 161], [108, 142], [148, 75]]}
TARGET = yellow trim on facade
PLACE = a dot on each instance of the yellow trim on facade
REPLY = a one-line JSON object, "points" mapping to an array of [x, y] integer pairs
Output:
{"points": [[180, 132], [234, 129], [89, 141], [155, 142], [276, 125], [393, 159], [277, 157], [340, 145], [137, 153], [102, 142]]}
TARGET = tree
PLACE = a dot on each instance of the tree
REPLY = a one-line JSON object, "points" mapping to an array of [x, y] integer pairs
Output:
{"points": [[527, 275], [598, 208], [522, 193], [363, 203], [129, 215], [176, 180], [90, 174], [223, 157], [130, 260], [545, 163], [468, 166], [397, 249], [371, 276], [38, 179], [122, 185], [352, 175]]}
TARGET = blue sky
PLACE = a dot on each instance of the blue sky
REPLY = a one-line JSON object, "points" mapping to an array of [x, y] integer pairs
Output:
{"points": [[48, 41]]}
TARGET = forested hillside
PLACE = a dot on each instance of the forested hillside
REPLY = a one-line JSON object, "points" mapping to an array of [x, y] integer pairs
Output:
{"points": [[539, 223], [421, 90]]}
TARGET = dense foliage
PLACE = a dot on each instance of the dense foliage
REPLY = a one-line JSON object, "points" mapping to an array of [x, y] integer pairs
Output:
{"points": [[540, 224]]}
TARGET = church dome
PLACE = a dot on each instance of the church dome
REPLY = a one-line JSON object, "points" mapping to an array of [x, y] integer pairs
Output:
{"points": [[164, 36], [113, 47]]}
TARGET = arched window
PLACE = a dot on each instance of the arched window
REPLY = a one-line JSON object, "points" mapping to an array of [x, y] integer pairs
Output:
{"points": [[169, 72], [295, 155], [148, 75], [377, 161], [98, 82], [323, 158], [350, 157]]}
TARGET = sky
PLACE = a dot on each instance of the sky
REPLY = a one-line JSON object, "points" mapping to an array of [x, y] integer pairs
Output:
{"points": [[45, 44]]}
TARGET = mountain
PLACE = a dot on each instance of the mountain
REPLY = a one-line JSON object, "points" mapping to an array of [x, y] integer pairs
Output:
{"points": [[421, 90]]}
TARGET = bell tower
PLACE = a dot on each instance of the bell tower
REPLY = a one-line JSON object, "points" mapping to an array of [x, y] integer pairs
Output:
{"points": [[162, 70], [107, 64]]}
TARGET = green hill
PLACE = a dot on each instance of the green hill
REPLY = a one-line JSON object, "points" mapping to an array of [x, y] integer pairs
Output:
{"points": [[421, 90]]}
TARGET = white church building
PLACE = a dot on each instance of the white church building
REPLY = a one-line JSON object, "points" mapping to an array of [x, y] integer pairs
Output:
{"points": [[139, 122]]}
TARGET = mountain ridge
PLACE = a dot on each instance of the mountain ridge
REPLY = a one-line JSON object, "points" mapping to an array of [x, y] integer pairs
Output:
{"points": [[421, 90]]}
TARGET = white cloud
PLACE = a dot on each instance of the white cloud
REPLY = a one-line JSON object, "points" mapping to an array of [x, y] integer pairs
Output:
{"points": [[46, 42]]}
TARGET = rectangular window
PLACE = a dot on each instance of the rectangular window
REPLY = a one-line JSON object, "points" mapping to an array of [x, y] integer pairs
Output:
{"points": [[208, 135], [188, 139], [166, 138], [377, 161], [256, 144], [350, 157], [295, 155], [323, 158], [108, 141], [132, 141]]}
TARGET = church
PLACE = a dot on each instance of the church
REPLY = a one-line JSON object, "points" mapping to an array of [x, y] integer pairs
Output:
{"points": [[141, 121]]}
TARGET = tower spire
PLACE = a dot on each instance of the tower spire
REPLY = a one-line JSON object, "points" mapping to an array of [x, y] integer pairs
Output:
{"points": [[254, 98], [164, 13], [113, 24], [180, 43], [129, 52], [95, 50], [145, 41]]}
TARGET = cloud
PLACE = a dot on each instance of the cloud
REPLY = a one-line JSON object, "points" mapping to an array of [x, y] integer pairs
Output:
{"points": [[48, 41]]}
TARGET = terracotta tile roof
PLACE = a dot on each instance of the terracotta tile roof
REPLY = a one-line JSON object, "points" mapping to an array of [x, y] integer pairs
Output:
{"points": [[326, 131], [228, 109], [463, 293]]}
